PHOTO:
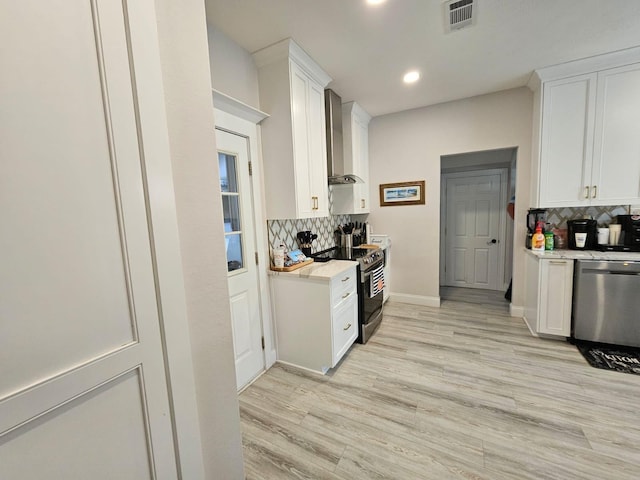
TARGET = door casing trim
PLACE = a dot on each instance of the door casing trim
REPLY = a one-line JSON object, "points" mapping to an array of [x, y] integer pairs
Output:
{"points": [[251, 131]]}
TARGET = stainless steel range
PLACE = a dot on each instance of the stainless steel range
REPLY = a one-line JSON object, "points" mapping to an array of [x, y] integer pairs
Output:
{"points": [[370, 285]]}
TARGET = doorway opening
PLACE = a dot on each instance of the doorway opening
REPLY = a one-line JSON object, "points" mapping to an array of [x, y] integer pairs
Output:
{"points": [[476, 233], [240, 172]]}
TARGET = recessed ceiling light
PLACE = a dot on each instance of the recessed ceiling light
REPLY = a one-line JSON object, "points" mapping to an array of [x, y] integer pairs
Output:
{"points": [[411, 77], [375, 2]]}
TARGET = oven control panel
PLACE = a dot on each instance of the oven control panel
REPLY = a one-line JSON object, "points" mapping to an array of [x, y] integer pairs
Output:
{"points": [[373, 257]]}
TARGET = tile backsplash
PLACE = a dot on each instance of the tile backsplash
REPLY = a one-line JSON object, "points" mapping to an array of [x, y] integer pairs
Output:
{"points": [[604, 215], [324, 227], [285, 230]]}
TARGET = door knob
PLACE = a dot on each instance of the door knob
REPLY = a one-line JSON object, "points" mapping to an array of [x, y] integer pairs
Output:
{"points": [[493, 240]]}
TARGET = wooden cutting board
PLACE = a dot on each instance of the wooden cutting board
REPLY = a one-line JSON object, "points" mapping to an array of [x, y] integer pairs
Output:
{"points": [[291, 268]]}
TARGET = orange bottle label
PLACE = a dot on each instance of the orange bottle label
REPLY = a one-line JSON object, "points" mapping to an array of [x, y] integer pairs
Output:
{"points": [[537, 242]]}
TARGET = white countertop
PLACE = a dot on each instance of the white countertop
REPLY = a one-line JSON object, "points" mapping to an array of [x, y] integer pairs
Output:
{"points": [[320, 270], [586, 255]]}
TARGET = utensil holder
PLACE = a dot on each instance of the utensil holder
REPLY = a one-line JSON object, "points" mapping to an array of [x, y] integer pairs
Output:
{"points": [[346, 240]]}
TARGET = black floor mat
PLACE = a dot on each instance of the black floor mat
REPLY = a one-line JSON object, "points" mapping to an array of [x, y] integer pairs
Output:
{"points": [[610, 357]]}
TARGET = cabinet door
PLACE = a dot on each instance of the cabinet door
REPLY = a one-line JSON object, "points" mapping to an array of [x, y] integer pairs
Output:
{"points": [[556, 286], [344, 326], [616, 157], [301, 165], [361, 164], [317, 157], [567, 136], [354, 198]]}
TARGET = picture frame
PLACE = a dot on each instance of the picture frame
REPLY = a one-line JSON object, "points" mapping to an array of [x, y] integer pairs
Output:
{"points": [[402, 193]]}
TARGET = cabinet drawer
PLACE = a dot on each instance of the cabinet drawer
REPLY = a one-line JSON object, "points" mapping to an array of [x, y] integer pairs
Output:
{"points": [[342, 286], [344, 326]]}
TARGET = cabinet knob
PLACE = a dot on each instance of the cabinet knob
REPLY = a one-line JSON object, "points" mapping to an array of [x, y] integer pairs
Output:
{"points": [[347, 327]]}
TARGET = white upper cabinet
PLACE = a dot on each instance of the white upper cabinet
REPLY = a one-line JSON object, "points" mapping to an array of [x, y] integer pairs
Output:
{"points": [[294, 151], [589, 146], [616, 146], [354, 198], [567, 129]]}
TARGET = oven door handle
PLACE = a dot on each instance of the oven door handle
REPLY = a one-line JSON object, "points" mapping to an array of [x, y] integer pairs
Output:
{"points": [[366, 275]]}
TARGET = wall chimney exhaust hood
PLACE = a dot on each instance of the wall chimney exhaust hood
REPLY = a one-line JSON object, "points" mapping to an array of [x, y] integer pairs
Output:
{"points": [[335, 154]]}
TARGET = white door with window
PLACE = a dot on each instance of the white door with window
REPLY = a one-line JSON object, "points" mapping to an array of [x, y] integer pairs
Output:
{"points": [[83, 385], [239, 231], [474, 222]]}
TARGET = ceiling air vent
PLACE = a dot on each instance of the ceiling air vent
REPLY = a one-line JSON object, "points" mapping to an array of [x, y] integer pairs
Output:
{"points": [[459, 14]]}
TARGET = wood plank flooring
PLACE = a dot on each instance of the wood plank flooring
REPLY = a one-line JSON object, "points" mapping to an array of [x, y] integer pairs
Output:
{"points": [[459, 392]]}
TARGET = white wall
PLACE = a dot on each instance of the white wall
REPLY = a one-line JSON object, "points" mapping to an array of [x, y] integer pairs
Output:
{"points": [[408, 145], [186, 76], [233, 71]]}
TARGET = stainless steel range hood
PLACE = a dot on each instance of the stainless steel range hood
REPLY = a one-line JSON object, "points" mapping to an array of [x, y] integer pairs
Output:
{"points": [[335, 153]]}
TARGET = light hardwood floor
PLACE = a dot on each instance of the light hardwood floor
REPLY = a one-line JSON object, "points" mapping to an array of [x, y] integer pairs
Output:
{"points": [[459, 392]]}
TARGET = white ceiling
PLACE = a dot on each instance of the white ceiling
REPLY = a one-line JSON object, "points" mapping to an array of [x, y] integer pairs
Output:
{"points": [[366, 50]]}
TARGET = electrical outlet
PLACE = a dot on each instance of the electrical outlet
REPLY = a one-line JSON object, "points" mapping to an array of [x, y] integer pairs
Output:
{"points": [[635, 210]]}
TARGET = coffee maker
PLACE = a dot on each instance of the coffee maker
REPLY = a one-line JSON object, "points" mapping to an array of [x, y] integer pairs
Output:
{"points": [[534, 216], [630, 231], [583, 234]]}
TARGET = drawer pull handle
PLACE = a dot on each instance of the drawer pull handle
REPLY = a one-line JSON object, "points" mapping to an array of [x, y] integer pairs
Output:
{"points": [[595, 191], [347, 327], [557, 262], [586, 192], [345, 279], [346, 295]]}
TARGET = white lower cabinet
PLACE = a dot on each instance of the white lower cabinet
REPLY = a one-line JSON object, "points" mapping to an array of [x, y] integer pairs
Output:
{"points": [[316, 317], [344, 326], [548, 295]]}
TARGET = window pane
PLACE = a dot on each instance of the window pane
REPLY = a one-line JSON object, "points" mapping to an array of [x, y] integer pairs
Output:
{"points": [[234, 251], [228, 177], [231, 212]]}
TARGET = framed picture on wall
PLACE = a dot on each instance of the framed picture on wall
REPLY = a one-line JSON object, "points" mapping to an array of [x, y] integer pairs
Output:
{"points": [[403, 193]]}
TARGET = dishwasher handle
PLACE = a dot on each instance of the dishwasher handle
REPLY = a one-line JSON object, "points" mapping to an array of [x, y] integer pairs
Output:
{"points": [[595, 267], [593, 271]]}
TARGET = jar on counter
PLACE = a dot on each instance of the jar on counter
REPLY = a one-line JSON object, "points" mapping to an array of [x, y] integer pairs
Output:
{"points": [[548, 241]]}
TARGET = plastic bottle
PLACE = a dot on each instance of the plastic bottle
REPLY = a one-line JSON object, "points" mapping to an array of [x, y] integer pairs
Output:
{"points": [[548, 241], [537, 241]]}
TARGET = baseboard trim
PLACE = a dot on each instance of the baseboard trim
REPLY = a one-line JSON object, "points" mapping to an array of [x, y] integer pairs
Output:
{"points": [[252, 380], [526, 322], [306, 369], [421, 300], [515, 310]]}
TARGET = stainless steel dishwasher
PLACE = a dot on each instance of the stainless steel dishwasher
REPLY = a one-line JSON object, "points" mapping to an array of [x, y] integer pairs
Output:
{"points": [[606, 302]]}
